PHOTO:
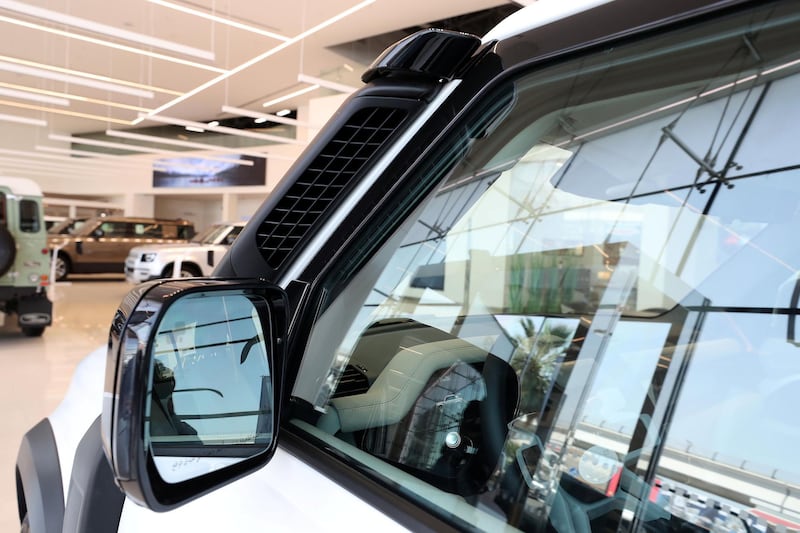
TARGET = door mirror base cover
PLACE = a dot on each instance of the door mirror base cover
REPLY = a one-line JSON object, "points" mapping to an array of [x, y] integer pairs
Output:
{"points": [[128, 364]]}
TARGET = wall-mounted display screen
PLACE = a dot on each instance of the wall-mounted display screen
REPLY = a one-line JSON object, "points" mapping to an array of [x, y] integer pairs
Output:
{"points": [[221, 171]]}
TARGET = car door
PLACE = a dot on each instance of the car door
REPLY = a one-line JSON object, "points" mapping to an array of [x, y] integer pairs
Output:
{"points": [[569, 321], [106, 246]]}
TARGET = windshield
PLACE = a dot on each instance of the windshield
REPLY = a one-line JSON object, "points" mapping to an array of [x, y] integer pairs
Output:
{"points": [[589, 323], [212, 234], [69, 225]]}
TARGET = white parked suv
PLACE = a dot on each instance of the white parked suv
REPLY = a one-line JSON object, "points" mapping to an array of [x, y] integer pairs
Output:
{"points": [[538, 281], [196, 258]]}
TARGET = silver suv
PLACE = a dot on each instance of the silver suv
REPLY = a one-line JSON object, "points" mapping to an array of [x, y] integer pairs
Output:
{"points": [[196, 258], [24, 257]]}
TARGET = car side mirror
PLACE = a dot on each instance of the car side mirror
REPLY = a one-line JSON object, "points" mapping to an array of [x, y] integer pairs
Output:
{"points": [[98, 233], [193, 381]]}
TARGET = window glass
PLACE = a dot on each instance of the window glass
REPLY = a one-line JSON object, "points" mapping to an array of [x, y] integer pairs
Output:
{"points": [[184, 232], [232, 234], [588, 324], [119, 229], [29, 216], [155, 231], [167, 231]]}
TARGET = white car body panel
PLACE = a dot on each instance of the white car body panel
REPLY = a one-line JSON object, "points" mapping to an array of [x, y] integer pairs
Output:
{"points": [[275, 497], [81, 405], [539, 14], [285, 495]]}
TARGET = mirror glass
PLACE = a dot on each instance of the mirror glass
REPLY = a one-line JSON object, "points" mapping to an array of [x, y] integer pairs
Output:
{"points": [[210, 398]]}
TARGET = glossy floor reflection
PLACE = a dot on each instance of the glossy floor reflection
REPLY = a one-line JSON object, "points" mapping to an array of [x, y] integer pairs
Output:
{"points": [[36, 372]]}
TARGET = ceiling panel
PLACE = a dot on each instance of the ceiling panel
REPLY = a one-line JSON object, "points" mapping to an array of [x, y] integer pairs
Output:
{"points": [[72, 49]]}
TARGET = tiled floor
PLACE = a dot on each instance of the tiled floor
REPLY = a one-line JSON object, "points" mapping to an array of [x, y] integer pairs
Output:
{"points": [[35, 372]]}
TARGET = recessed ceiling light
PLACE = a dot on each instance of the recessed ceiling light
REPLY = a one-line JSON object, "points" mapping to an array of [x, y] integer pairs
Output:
{"points": [[214, 123], [185, 143], [283, 112], [266, 116], [195, 129], [260, 120], [221, 129]]}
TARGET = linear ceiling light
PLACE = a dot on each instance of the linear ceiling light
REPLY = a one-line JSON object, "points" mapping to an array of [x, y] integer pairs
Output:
{"points": [[137, 148], [290, 96], [265, 116], [44, 174], [14, 93], [109, 44], [37, 157], [221, 20], [23, 120], [190, 144], [77, 165], [122, 160], [221, 129], [73, 97], [82, 74], [57, 170], [259, 58], [340, 87], [76, 80], [96, 27], [25, 153], [55, 161], [64, 112]]}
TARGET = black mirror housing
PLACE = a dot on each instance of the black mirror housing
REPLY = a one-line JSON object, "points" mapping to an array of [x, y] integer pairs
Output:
{"points": [[145, 318]]}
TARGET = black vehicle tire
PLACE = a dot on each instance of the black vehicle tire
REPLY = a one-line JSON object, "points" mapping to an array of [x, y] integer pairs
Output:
{"points": [[63, 267], [8, 250], [33, 331]]}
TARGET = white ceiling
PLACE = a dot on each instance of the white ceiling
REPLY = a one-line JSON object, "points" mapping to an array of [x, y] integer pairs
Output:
{"points": [[246, 70]]}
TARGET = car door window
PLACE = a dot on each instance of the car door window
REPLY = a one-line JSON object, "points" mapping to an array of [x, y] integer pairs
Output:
{"points": [[117, 229], [29, 216], [585, 325]]}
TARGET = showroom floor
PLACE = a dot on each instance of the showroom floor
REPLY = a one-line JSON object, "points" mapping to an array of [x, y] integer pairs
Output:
{"points": [[35, 373]]}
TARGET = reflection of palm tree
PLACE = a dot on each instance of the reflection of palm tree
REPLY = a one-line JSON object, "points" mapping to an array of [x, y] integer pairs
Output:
{"points": [[534, 360]]}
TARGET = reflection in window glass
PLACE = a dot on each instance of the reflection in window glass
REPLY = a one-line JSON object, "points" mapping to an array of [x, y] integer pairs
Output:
{"points": [[588, 325], [211, 379]]}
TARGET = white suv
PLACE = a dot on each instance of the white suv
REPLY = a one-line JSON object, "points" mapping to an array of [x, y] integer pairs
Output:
{"points": [[196, 258], [500, 291]]}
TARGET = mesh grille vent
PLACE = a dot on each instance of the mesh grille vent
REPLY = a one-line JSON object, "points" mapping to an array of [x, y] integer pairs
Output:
{"points": [[322, 183]]}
